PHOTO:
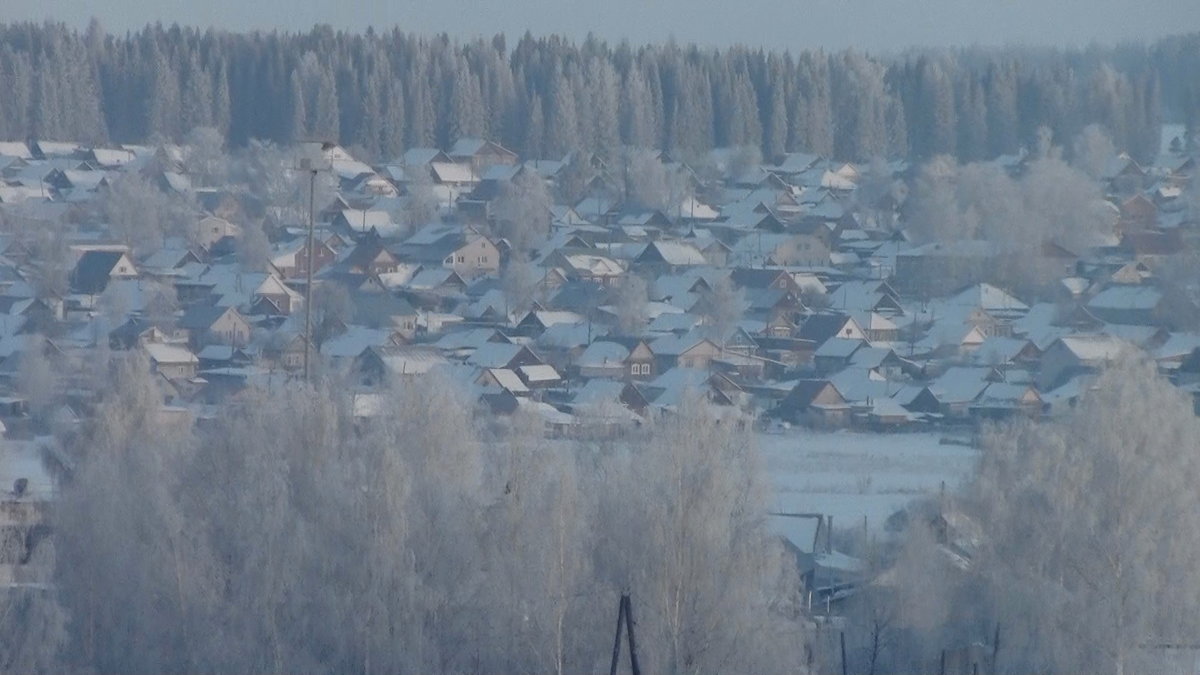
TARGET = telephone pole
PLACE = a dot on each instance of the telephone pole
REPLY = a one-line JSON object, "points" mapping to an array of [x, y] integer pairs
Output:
{"points": [[306, 164], [625, 620]]}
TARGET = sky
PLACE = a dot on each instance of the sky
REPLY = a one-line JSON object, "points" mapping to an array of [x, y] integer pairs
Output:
{"points": [[874, 25]]}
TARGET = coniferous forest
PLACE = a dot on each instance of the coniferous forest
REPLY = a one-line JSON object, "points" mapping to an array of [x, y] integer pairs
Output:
{"points": [[381, 92]]}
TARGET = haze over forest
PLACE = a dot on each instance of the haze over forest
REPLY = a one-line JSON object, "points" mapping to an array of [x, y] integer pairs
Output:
{"points": [[872, 25]]}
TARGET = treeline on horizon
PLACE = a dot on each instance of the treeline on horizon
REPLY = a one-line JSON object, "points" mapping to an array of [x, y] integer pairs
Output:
{"points": [[382, 92]]}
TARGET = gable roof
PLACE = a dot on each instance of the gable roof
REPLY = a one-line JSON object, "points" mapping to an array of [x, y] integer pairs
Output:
{"points": [[806, 391], [202, 317], [495, 354], [821, 327], [672, 253], [93, 270], [988, 298]]}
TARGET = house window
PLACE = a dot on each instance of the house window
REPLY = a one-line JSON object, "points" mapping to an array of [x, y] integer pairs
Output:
{"points": [[645, 368], [462, 258], [633, 369]]}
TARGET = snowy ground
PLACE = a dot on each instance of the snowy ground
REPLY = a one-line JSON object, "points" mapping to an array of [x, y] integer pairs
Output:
{"points": [[849, 475]]}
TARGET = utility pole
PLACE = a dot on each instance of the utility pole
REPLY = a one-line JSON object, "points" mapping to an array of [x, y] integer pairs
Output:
{"points": [[306, 164], [625, 620], [616, 653]]}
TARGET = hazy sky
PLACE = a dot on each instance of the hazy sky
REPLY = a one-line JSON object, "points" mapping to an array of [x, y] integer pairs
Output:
{"points": [[870, 24]]}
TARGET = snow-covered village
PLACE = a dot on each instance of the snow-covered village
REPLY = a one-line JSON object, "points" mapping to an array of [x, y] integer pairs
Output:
{"points": [[791, 291], [871, 411]]}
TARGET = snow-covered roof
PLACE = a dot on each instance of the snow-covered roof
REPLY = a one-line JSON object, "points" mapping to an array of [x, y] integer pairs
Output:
{"points": [[1127, 297], [169, 353], [960, 384], [539, 373], [601, 354], [988, 298], [493, 354], [1094, 348], [837, 347], [508, 380], [356, 339]]}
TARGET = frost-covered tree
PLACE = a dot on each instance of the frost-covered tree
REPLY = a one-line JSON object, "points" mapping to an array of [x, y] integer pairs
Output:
{"points": [[629, 303], [253, 248], [420, 201], [1092, 151], [685, 534], [649, 184], [1070, 557], [332, 309], [520, 281], [140, 215], [205, 158], [724, 306], [37, 377], [522, 211], [933, 213]]}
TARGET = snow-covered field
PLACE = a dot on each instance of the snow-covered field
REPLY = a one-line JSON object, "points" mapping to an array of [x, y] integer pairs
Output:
{"points": [[849, 475]]}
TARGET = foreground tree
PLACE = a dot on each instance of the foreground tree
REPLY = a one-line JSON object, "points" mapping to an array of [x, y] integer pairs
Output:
{"points": [[293, 535], [1088, 528], [685, 517]]}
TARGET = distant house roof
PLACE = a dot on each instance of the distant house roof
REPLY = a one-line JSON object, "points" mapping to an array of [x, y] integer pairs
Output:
{"points": [[453, 173], [202, 317], [1126, 297], [470, 147], [821, 327], [989, 298], [407, 359], [805, 392], [170, 353], [1094, 348], [539, 373], [423, 156], [839, 348], [961, 384], [378, 309], [494, 354], [94, 269], [363, 221], [602, 354], [15, 149], [672, 253]]}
